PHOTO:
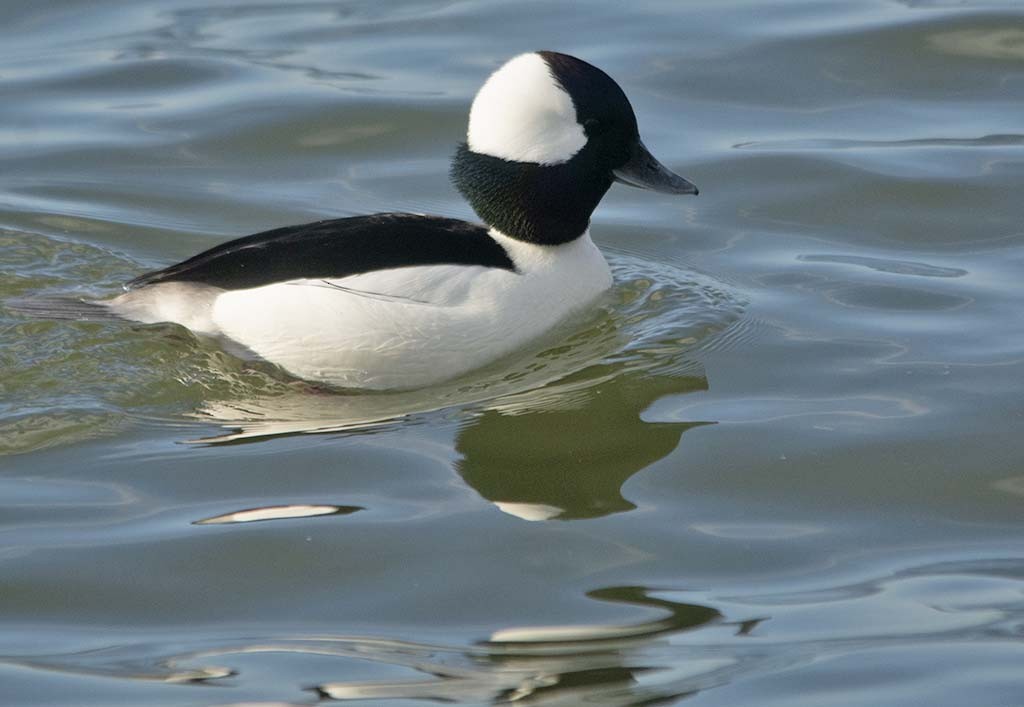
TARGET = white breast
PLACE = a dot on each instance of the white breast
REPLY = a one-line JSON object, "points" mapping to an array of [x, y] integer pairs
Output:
{"points": [[405, 327]]}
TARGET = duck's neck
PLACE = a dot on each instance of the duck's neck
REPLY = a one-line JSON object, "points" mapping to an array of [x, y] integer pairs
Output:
{"points": [[541, 204]]}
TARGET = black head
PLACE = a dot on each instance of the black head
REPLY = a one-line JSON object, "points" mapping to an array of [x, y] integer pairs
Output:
{"points": [[548, 134]]}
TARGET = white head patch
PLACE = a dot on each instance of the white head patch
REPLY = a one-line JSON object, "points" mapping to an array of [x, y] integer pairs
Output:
{"points": [[522, 114]]}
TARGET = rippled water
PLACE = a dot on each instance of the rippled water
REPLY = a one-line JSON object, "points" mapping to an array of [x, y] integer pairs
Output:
{"points": [[780, 464]]}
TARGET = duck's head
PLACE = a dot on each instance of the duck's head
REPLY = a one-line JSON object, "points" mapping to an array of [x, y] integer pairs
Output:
{"points": [[548, 134]]}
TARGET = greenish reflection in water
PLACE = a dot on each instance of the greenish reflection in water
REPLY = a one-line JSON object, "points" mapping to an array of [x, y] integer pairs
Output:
{"points": [[571, 463]]}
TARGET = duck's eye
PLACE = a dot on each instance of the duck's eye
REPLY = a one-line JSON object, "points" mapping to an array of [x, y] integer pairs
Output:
{"points": [[593, 127]]}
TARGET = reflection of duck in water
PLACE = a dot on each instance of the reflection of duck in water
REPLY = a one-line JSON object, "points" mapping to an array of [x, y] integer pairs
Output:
{"points": [[571, 462], [561, 450]]}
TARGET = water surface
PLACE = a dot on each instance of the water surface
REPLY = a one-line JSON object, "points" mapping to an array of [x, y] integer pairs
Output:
{"points": [[780, 464]]}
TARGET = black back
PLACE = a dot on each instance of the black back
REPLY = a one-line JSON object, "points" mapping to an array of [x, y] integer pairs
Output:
{"points": [[336, 248]]}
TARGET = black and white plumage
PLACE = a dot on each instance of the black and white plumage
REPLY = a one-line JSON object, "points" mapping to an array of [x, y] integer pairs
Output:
{"points": [[401, 300]]}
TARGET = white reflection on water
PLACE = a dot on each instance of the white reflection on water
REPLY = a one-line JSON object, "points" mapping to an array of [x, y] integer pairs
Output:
{"points": [[253, 515]]}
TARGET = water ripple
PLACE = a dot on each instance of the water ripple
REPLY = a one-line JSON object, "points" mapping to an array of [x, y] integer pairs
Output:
{"points": [[689, 645], [1009, 140], [896, 267]]}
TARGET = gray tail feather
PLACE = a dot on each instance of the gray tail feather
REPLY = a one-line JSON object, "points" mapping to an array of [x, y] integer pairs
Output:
{"points": [[61, 307]]}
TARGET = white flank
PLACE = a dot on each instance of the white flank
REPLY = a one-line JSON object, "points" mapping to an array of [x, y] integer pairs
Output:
{"points": [[522, 114], [416, 326], [390, 329], [183, 303]]}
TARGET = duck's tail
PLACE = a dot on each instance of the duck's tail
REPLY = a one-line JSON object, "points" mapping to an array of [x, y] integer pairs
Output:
{"points": [[61, 307]]}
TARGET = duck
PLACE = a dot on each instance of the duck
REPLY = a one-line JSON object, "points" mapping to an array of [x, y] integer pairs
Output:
{"points": [[392, 301]]}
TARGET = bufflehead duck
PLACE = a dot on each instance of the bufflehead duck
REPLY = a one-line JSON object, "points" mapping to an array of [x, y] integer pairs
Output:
{"points": [[399, 300]]}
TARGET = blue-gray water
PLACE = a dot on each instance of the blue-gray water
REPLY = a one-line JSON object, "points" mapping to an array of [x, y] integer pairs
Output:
{"points": [[783, 464]]}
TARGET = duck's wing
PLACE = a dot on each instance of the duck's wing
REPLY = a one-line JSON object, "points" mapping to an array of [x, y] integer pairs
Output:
{"points": [[336, 249]]}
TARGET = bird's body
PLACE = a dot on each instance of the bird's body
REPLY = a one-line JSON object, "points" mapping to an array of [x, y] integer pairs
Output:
{"points": [[401, 300], [395, 327]]}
